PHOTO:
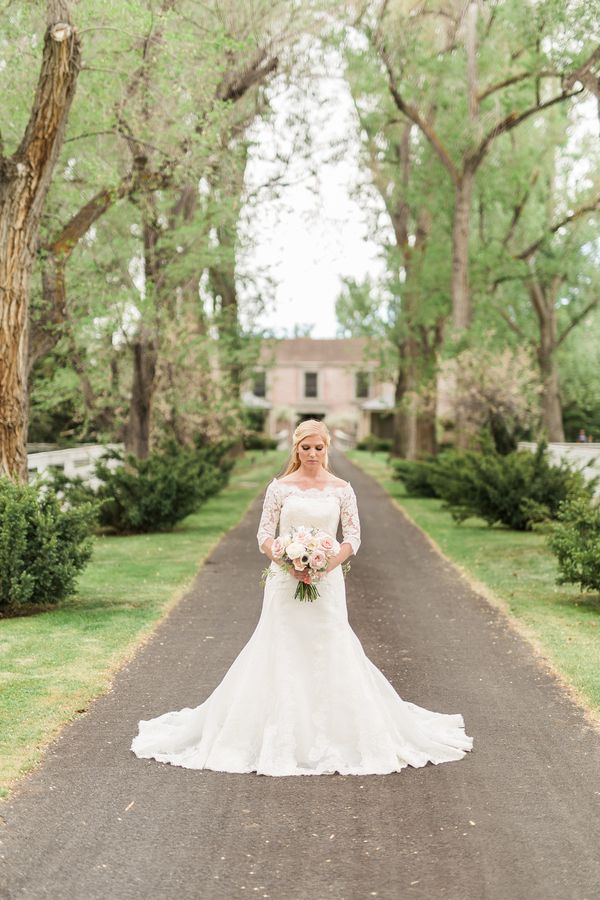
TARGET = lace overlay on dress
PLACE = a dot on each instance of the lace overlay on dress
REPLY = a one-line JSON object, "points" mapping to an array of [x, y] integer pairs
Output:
{"points": [[343, 495]]}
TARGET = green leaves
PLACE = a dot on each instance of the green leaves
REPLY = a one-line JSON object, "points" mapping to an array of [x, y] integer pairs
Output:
{"points": [[43, 546], [575, 541]]}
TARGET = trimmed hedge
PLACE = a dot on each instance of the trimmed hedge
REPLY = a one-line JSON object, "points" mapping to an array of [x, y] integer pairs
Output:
{"points": [[43, 547]]}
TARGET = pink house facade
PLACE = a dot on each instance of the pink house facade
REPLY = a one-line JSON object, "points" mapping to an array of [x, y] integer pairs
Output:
{"points": [[300, 378]]}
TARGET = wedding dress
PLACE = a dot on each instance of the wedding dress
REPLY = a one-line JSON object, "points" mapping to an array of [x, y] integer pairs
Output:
{"points": [[302, 698]]}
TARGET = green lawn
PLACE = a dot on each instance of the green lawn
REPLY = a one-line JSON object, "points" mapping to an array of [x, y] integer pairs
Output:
{"points": [[518, 570], [53, 663]]}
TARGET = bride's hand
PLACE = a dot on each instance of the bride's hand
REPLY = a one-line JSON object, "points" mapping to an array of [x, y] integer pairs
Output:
{"points": [[298, 575]]}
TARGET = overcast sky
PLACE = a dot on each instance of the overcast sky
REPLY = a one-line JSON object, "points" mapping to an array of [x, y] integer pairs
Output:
{"points": [[308, 239]]}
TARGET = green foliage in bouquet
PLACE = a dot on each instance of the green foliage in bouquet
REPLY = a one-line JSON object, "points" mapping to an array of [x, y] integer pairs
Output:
{"points": [[415, 475], [152, 494], [517, 489], [575, 541], [43, 546]]}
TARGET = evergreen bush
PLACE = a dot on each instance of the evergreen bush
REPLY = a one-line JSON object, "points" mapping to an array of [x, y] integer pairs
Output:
{"points": [[43, 546], [517, 489], [415, 475], [152, 494], [372, 443], [575, 541], [255, 440]]}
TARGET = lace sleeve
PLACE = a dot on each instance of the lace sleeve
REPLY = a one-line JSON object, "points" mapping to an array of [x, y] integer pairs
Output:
{"points": [[270, 514], [349, 519]]}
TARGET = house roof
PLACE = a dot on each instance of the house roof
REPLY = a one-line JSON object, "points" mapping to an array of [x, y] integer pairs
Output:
{"points": [[336, 351]]}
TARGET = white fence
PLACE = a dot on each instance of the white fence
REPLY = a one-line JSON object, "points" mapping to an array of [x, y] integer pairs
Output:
{"points": [[75, 461], [585, 457]]}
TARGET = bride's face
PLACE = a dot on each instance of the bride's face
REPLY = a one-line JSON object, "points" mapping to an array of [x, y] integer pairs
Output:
{"points": [[312, 451]]}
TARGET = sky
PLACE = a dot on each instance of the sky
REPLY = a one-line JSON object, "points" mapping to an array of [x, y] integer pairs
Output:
{"points": [[308, 239]]}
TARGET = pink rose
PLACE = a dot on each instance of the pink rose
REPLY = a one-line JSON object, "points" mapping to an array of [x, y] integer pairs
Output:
{"points": [[302, 535], [318, 560], [327, 543], [299, 565]]}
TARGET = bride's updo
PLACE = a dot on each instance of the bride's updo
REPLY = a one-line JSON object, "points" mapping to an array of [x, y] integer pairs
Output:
{"points": [[304, 430]]}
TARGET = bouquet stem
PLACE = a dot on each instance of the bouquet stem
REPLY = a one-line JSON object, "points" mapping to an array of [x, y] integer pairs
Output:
{"points": [[306, 591]]}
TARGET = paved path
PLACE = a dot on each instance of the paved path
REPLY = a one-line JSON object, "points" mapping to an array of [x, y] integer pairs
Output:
{"points": [[517, 818]]}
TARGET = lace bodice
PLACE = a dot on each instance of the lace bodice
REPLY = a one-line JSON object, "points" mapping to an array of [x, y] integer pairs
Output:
{"points": [[287, 505]]}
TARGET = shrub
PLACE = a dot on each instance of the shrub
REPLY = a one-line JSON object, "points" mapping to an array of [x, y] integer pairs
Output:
{"points": [[415, 476], [516, 490], [575, 541], [43, 547], [152, 494], [254, 440], [372, 443]]}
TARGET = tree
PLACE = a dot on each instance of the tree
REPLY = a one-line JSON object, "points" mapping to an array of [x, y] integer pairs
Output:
{"points": [[434, 58], [408, 180], [25, 177], [541, 233]]}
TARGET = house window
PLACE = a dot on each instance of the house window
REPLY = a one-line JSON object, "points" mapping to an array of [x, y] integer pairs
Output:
{"points": [[310, 384], [259, 384], [362, 385]]}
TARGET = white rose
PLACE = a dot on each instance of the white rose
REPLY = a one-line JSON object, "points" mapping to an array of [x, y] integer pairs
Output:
{"points": [[295, 549]]}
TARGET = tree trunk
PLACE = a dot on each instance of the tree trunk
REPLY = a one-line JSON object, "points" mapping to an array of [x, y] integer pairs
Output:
{"points": [[427, 431], [551, 405], [399, 441], [145, 356], [24, 182], [405, 426], [543, 300], [146, 344], [461, 227]]}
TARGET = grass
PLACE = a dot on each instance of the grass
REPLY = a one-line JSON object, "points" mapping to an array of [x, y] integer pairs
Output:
{"points": [[518, 570], [52, 664]]}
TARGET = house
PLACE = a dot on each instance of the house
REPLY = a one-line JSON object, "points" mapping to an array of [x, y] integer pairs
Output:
{"points": [[303, 378]]}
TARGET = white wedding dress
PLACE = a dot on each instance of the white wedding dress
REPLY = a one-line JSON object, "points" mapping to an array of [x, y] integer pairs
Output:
{"points": [[302, 698]]}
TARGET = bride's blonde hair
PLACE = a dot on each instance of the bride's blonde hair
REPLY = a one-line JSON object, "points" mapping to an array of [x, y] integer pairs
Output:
{"points": [[304, 430]]}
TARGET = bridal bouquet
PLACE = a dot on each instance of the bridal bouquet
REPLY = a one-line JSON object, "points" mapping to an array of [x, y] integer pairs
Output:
{"points": [[306, 549]]}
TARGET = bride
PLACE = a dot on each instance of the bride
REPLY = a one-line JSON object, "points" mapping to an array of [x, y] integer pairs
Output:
{"points": [[302, 698]]}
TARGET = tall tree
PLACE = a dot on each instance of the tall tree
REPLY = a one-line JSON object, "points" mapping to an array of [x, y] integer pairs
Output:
{"points": [[446, 58], [409, 182], [25, 177]]}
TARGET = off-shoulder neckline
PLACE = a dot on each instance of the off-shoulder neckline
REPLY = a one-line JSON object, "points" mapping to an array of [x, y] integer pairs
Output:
{"points": [[339, 487]]}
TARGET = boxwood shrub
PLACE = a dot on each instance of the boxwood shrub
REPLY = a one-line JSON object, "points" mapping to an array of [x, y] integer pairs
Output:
{"points": [[43, 546], [575, 541]]}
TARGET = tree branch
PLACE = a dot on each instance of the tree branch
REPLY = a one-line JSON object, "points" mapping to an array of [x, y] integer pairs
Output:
{"points": [[577, 319], [492, 88], [586, 208], [513, 119], [412, 113], [581, 71], [518, 209]]}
